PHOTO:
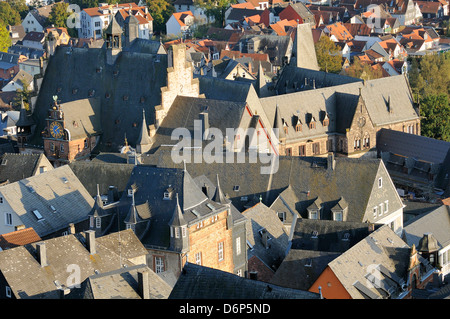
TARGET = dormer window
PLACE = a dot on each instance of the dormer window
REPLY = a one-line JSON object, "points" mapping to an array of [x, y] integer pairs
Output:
{"points": [[168, 193], [338, 216], [314, 214]]}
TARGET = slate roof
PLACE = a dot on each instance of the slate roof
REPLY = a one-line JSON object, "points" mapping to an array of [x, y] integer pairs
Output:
{"points": [[293, 79], [305, 52], [301, 268], [331, 235], [28, 279], [150, 184], [58, 188], [262, 217], [104, 174], [122, 284], [199, 282], [436, 222], [15, 167], [375, 93], [349, 180], [382, 248], [123, 89], [185, 110], [411, 145]]}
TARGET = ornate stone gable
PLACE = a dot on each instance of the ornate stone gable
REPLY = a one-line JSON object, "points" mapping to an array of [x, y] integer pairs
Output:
{"points": [[180, 81], [361, 134]]}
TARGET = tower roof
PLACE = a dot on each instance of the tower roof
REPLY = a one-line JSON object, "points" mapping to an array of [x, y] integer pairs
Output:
{"points": [[144, 138], [177, 218], [278, 124], [24, 118], [219, 197], [113, 27], [428, 244], [97, 210]]}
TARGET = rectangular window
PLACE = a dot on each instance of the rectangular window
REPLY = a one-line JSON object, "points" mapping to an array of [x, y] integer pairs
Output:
{"points": [[288, 151], [302, 150], [8, 219], [238, 246], [338, 216], [380, 182], [198, 258], [386, 206], [177, 232], [315, 148], [8, 292], [220, 251], [381, 210], [159, 264], [98, 222], [91, 222], [61, 147], [313, 214], [375, 212]]}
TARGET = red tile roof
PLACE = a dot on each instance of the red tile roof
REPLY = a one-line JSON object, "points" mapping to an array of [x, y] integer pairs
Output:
{"points": [[18, 238]]}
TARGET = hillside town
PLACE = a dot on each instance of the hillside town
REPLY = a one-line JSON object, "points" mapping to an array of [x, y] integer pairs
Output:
{"points": [[238, 149]]}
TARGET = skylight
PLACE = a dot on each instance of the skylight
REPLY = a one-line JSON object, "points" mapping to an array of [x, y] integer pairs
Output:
{"points": [[37, 215]]}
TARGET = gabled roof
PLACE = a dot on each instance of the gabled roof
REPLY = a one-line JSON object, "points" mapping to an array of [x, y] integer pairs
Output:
{"points": [[262, 218], [436, 222], [197, 282], [57, 195], [382, 249], [27, 279], [15, 167], [122, 283]]}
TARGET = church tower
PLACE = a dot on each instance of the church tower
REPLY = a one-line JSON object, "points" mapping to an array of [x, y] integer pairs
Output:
{"points": [[113, 41], [24, 127]]}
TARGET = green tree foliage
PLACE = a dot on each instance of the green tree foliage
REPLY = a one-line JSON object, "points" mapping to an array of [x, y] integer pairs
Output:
{"points": [[8, 15], [328, 56], [20, 6], [160, 10], [435, 112], [363, 71], [216, 9], [59, 14], [429, 78], [5, 40]]}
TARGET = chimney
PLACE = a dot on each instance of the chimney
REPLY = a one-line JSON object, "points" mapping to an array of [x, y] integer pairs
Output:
{"points": [[371, 227], [331, 161], [205, 124], [143, 284], [253, 275], [19, 227], [71, 228], [90, 241], [42, 253], [265, 238], [113, 196]]}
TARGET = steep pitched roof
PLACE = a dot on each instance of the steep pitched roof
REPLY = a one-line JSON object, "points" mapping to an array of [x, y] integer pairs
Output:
{"points": [[57, 195], [122, 284], [382, 247], [15, 167], [27, 279], [197, 282], [261, 218], [122, 90]]}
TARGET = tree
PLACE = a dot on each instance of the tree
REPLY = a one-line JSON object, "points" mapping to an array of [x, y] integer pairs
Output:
{"points": [[20, 6], [215, 8], [59, 14], [5, 40], [161, 11], [328, 56], [362, 70], [8, 16], [435, 112]]}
